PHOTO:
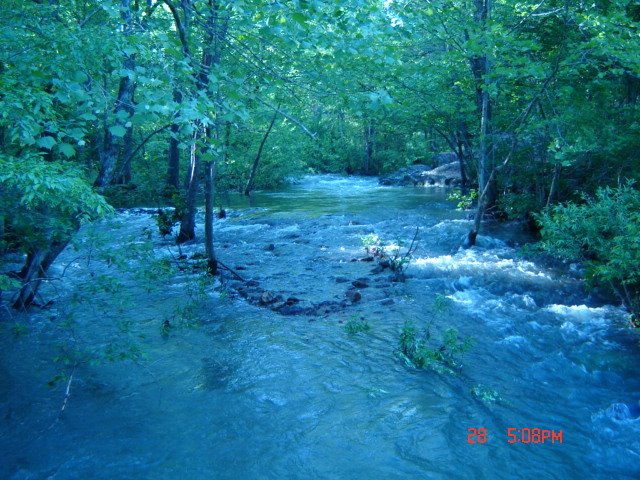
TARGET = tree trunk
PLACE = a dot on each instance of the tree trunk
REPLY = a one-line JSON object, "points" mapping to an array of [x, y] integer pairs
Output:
{"points": [[216, 28], [35, 267], [554, 184], [209, 193], [256, 161], [173, 170], [124, 102], [481, 69], [369, 143], [192, 182], [124, 174]]}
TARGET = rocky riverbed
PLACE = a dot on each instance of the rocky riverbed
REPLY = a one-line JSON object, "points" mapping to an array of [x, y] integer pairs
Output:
{"points": [[447, 175]]}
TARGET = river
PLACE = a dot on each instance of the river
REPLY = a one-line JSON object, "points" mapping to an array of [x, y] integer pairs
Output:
{"points": [[95, 387]]}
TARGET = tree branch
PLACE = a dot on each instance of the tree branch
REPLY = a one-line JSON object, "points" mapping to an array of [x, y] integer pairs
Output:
{"points": [[140, 145], [180, 27], [289, 117]]}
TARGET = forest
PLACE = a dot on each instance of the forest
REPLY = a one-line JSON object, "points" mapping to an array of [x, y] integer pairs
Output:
{"points": [[178, 105]]}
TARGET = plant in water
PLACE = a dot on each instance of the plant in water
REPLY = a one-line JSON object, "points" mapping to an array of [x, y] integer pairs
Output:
{"points": [[165, 223], [390, 255], [19, 329], [357, 325], [167, 220], [165, 328], [422, 350], [486, 395], [441, 304]]}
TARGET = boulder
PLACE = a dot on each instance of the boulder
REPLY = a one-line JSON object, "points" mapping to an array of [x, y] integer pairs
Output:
{"points": [[360, 283], [447, 175], [267, 298], [353, 295]]}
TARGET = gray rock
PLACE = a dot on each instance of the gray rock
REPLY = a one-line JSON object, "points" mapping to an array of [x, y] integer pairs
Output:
{"points": [[267, 298], [360, 283], [295, 309], [447, 175]]}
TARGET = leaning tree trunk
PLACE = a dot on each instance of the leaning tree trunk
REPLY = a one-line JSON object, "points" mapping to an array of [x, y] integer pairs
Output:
{"points": [[35, 267], [256, 161]]}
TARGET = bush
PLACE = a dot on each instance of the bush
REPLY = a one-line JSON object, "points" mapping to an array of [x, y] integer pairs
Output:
{"points": [[465, 201], [355, 325], [47, 201], [389, 255], [604, 233], [422, 350]]}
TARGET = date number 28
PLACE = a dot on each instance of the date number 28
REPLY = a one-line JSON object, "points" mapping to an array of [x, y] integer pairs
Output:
{"points": [[477, 435]]}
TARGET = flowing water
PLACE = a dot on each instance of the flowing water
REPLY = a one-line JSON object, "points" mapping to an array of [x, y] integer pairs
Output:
{"points": [[237, 391]]}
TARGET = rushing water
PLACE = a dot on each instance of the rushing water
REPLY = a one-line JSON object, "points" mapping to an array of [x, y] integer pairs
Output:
{"points": [[238, 391]]}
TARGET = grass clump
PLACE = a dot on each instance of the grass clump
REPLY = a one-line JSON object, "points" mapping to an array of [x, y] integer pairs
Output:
{"points": [[423, 350], [356, 325]]}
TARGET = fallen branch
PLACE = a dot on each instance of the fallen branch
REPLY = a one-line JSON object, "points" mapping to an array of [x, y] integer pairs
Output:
{"points": [[67, 393], [235, 274]]}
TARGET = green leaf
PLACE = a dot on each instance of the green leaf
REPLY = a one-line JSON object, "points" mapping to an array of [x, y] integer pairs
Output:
{"points": [[118, 131], [300, 18], [67, 150], [46, 142]]}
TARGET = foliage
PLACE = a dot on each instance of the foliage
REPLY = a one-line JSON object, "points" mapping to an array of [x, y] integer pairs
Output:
{"points": [[165, 222], [8, 283], [356, 325], [464, 201], [442, 303], [422, 350], [486, 395], [390, 255], [604, 233], [517, 206], [358, 87], [47, 200]]}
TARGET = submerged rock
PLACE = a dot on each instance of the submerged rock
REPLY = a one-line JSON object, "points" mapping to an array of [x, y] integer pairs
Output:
{"points": [[267, 298], [326, 307], [447, 175], [294, 309], [353, 295], [360, 283]]}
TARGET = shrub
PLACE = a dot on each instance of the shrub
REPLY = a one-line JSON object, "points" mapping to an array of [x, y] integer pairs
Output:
{"points": [[465, 201], [604, 233], [517, 206], [422, 350], [355, 325], [388, 255]]}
